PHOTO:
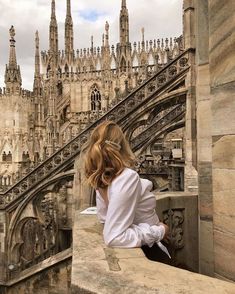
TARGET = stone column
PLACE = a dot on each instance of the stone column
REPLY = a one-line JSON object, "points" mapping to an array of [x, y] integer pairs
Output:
{"points": [[191, 183], [204, 141], [189, 24], [222, 76]]}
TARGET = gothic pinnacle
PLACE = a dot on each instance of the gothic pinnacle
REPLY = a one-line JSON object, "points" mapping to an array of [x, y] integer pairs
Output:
{"points": [[68, 8], [124, 24], [12, 56], [37, 81], [53, 33], [12, 73], [69, 33], [37, 55], [37, 39], [142, 33], [53, 9], [123, 3], [106, 34]]}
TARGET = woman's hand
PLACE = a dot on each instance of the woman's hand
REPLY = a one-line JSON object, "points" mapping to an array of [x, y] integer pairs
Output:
{"points": [[167, 230]]}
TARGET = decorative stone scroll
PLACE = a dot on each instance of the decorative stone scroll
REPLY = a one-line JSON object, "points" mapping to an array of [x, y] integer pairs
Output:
{"points": [[174, 218]]}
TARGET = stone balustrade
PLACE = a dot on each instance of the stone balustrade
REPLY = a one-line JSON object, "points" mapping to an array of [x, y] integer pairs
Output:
{"points": [[99, 269]]}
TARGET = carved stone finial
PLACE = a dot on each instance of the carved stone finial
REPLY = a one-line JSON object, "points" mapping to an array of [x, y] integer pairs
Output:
{"points": [[52, 8], [106, 26], [37, 39], [142, 32], [12, 32], [68, 8], [12, 73]]}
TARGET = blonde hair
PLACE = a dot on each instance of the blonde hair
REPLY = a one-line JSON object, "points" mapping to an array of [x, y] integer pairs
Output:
{"points": [[107, 154]]}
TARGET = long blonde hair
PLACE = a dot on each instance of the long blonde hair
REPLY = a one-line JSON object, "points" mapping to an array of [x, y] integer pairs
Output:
{"points": [[107, 154]]}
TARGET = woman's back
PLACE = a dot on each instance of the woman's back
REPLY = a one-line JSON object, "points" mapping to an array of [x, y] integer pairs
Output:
{"points": [[145, 209], [130, 218], [124, 201]]}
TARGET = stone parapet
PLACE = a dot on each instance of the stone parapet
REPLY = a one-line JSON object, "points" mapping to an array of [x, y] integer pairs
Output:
{"points": [[98, 269]]}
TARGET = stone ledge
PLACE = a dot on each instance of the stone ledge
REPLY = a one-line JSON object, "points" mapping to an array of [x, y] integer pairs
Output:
{"points": [[98, 269], [49, 262]]}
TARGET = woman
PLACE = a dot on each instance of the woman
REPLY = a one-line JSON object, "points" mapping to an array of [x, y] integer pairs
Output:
{"points": [[124, 202]]}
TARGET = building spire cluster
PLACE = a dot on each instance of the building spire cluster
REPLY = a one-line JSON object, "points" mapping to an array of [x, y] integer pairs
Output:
{"points": [[72, 87]]}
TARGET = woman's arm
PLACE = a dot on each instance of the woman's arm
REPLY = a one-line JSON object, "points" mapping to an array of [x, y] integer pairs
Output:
{"points": [[101, 207], [119, 230]]}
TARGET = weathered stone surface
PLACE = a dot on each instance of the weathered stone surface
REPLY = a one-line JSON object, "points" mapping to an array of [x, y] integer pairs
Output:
{"points": [[224, 254], [202, 30], [206, 248], [215, 78], [223, 108], [204, 141], [205, 189], [204, 119], [222, 41], [137, 274], [223, 152], [224, 202]]}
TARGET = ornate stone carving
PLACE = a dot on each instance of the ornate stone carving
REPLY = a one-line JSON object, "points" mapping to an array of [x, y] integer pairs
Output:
{"points": [[174, 218]]}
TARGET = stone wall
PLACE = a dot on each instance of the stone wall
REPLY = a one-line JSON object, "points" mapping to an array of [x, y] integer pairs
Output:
{"points": [[204, 141], [222, 76], [215, 31]]}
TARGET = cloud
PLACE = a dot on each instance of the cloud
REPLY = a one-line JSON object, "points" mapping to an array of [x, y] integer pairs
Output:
{"points": [[91, 15], [160, 18]]}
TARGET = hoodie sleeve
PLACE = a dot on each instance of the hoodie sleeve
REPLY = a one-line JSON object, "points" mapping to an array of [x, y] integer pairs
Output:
{"points": [[101, 207], [119, 230]]}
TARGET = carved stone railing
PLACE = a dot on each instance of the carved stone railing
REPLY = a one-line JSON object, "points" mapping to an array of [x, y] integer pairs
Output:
{"points": [[63, 158], [176, 113]]}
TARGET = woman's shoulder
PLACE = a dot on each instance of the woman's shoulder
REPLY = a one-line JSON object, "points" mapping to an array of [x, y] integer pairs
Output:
{"points": [[125, 185], [126, 175], [128, 172]]}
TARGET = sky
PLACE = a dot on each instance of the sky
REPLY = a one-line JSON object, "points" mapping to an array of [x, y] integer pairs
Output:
{"points": [[160, 19]]}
